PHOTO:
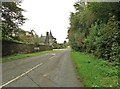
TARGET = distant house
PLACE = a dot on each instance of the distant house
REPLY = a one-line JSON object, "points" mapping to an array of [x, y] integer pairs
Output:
{"points": [[42, 40], [25, 36], [48, 39], [29, 36]]}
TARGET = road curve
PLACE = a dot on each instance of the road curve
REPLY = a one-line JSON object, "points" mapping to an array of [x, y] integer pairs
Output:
{"points": [[48, 70]]}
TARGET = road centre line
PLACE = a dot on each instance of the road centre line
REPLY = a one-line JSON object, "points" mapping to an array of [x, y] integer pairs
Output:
{"points": [[51, 57], [21, 75]]}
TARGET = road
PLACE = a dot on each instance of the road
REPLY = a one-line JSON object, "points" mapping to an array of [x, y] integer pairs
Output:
{"points": [[47, 70]]}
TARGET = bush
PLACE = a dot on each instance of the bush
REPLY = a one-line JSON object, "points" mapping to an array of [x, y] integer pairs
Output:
{"points": [[103, 40]]}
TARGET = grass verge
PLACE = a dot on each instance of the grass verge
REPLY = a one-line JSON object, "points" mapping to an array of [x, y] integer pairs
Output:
{"points": [[95, 72], [21, 56]]}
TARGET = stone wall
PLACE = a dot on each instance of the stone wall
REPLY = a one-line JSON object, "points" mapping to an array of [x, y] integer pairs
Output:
{"points": [[9, 48]]}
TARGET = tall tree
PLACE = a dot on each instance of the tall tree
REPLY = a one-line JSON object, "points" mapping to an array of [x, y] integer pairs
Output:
{"points": [[94, 27], [104, 10], [12, 18]]}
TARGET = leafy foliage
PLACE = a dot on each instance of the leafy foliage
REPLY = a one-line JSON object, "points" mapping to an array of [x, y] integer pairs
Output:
{"points": [[95, 28], [103, 40], [12, 18]]}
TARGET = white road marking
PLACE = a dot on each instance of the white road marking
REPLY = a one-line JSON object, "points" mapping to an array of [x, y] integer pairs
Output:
{"points": [[53, 54], [51, 57], [21, 75], [44, 75]]}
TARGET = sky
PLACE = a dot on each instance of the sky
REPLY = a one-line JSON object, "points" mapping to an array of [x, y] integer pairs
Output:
{"points": [[46, 15]]}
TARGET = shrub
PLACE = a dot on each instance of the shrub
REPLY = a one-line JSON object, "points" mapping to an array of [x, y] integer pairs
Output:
{"points": [[103, 40]]}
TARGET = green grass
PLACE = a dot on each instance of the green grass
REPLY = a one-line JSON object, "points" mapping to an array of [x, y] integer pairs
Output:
{"points": [[21, 56], [95, 72]]}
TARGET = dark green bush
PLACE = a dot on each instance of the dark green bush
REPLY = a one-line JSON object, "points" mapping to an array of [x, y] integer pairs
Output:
{"points": [[103, 40]]}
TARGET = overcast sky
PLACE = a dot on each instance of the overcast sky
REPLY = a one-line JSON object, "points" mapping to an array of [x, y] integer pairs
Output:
{"points": [[46, 15]]}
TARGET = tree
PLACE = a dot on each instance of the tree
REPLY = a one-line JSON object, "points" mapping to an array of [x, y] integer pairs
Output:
{"points": [[80, 21], [12, 18], [94, 28], [104, 10]]}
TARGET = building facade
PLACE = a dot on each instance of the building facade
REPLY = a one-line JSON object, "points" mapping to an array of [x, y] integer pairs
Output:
{"points": [[48, 39]]}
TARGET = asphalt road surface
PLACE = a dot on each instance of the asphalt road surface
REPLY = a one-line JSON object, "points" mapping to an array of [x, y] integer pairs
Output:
{"points": [[48, 70]]}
